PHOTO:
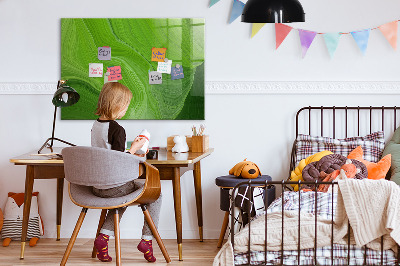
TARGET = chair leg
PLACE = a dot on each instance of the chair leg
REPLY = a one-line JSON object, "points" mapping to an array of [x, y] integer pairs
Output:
{"points": [[117, 239], [73, 237], [154, 230], [223, 229], [101, 222]]}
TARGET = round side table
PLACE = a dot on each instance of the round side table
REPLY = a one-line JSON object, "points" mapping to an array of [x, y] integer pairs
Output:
{"points": [[228, 182]]}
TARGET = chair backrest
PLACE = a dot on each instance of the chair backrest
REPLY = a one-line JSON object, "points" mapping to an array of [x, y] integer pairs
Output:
{"points": [[92, 166]]}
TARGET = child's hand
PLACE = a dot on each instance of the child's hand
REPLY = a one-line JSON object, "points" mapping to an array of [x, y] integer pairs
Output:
{"points": [[137, 144]]}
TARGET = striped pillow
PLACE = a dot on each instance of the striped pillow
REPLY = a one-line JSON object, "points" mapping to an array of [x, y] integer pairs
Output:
{"points": [[372, 145]]}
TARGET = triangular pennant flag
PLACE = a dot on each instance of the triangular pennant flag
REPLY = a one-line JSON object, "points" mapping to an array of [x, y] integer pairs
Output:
{"points": [[237, 9], [332, 41], [256, 27], [281, 31], [213, 2], [306, 39], [390, 32], [361, 37]]}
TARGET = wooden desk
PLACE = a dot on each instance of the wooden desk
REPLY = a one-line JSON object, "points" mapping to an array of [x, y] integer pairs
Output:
{"points": [[168, 163]]}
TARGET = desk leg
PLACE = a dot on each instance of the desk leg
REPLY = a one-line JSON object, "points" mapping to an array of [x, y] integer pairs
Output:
{"points": [[60, 190], [199, 204], [27, 206], [176, 182]]}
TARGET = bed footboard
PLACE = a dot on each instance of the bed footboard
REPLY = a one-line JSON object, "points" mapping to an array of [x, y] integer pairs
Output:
{"points": [[379, 257]]}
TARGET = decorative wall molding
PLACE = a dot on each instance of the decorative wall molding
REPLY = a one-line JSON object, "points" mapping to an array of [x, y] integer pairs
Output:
{"points": [[28, 88], [303, 87], [250, 87]]}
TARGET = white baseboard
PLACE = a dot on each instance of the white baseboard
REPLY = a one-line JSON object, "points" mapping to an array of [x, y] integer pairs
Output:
{"points": [[248, 87]]}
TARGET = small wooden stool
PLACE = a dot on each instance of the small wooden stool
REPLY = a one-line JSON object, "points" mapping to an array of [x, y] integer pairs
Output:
{"points": [[226, 183]]}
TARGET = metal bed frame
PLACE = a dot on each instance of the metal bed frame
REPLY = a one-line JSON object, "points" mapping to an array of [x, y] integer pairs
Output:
{"points": [[283, 184]]}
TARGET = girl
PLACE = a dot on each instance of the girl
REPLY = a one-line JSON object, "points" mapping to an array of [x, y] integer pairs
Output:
{"points": [[106, 133]]}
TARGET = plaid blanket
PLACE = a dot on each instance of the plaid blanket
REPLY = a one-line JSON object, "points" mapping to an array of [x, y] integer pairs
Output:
{"points": [[323, 205]]}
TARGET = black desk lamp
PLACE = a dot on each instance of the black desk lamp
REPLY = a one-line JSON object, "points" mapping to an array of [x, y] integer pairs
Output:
{"points": [[64, 96], [273, 11]]}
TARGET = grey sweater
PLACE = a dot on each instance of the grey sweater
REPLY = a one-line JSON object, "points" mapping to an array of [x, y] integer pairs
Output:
{"points": [[110, 135]]}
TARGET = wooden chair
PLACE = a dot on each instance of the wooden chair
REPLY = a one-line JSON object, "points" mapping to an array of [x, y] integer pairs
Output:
{"points": [[85, 167]]}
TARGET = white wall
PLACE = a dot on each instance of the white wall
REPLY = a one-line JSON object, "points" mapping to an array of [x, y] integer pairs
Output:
{"points": [[258, 126]]}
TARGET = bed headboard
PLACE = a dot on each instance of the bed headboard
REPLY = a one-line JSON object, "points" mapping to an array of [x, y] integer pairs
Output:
{"points": [[344, 121]]}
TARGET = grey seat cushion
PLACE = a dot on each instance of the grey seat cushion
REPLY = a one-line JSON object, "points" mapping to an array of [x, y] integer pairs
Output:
{"points": [[83, 196]]}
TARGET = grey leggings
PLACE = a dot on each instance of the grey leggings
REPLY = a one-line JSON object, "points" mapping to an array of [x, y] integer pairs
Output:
{"points": [[154, 208]]}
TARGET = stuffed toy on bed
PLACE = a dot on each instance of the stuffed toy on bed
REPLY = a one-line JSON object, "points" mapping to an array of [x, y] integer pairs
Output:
{"points": [[245, 169], [296, 174], [13, 215], [317, 171]]}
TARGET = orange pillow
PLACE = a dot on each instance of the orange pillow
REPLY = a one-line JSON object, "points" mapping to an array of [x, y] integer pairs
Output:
{"points": [[375, 170]]}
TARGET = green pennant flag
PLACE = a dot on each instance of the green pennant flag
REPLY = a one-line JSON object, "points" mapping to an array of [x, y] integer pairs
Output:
{"points": [[213, 2]]}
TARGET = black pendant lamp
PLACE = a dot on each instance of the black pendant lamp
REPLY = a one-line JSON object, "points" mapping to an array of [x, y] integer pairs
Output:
{"points": [[273, 11]]}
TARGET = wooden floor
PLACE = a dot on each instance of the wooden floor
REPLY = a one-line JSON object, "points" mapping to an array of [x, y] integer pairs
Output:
{"points": [[50, 252]]}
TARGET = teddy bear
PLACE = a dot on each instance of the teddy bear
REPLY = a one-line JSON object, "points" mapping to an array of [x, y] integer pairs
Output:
{"points": [[180, 144], [245, 169], [13, 215]]}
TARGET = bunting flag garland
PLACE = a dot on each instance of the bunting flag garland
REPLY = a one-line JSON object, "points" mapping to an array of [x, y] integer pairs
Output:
{"points": [[213, 2], [389, 30], [361, 37], [237, 9], [256, 28], [332, 41], [281, 31], [306, 39]]}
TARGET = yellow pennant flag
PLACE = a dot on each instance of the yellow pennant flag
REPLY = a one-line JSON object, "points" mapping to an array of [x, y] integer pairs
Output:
{"points": [[256, 28]]}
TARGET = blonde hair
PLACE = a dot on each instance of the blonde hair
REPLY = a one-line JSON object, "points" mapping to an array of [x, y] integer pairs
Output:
{"points": [[113, 98]]}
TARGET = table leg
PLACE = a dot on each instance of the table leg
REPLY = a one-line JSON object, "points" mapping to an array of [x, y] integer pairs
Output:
{"points": [[176, 183], [223, 230], [60, 190], [27, 206], [199, 204]]}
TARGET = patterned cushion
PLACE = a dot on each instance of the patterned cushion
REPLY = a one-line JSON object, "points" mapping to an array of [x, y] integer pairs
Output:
{"points": [[372, 144]]}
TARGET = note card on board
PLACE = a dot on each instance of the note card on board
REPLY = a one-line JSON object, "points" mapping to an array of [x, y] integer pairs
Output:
{"points": [[104, 53], [115, 73], [164, 67], [158, 54], [155, 77], [95, 70], [177, 72]]}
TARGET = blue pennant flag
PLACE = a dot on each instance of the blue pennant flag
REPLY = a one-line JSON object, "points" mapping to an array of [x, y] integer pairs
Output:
{"points": [[361, 38], [237, 9], [332, 41], [213, 2]]}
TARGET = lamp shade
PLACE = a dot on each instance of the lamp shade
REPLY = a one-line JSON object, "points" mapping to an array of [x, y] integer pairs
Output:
{"points": [[65, 96], [273, 11]]}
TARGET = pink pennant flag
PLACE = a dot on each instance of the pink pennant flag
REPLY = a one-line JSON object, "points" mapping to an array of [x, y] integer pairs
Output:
{"points": [[306, 39], [281, 31], [389, 30]]}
